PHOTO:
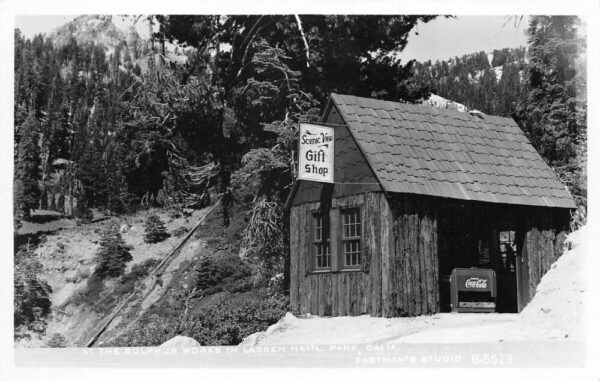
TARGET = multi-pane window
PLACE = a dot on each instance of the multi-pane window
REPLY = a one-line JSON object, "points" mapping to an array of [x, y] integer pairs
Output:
{"points": [[322, 248], [351, 235]]}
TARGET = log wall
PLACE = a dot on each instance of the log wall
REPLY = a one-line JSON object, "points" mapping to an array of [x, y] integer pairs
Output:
{"points": [[400, 267], [400, 274], [341, 293], [414, 274], [543, 242]]}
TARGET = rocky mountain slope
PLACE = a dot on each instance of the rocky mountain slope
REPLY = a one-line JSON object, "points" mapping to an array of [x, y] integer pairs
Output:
{"points": [[96, 29], [67, 255], [102, 30]]}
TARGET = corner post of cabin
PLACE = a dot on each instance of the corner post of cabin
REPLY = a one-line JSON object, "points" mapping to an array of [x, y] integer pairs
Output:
{"points": [[334, 218]]}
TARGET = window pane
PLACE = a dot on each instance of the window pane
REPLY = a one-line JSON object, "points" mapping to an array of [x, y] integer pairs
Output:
{"points": [[322, 255], [351, 233], [351, 222], [321, 227], [321, 241]]}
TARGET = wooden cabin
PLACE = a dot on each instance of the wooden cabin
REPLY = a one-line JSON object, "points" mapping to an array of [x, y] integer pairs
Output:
{"points": [[417, 192]]}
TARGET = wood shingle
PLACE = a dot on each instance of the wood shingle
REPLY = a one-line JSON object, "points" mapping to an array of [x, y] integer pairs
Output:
{"points": [[447, 153]]}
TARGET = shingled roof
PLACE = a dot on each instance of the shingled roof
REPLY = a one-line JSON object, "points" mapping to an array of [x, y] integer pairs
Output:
{"points": [[447, 153]]}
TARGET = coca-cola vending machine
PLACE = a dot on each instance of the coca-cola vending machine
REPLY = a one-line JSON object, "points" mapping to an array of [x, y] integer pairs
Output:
{"points": [[473, 290]]}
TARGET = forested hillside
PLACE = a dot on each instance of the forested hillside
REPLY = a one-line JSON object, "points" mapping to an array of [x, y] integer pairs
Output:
{"points": [[542, 86], [208, 106], [488, 82], [136, 124]]}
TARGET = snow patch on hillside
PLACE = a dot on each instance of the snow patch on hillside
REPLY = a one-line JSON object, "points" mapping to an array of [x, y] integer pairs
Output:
{"points": [[555, 314], [441, 102]]}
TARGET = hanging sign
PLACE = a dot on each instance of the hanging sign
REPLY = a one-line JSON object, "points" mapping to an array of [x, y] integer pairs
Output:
{"points": [[315, 153]]}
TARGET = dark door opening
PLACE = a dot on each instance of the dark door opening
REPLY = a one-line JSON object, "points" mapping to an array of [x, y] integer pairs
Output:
{"points": [[506, 271], [523, 295], [467, 239]]}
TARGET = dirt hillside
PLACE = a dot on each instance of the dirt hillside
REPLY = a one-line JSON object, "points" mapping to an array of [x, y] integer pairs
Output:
{"points": [[66, 252]]}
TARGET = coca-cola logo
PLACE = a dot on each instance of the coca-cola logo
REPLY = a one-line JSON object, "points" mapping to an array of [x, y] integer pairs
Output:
{"points": [[476, 283]]}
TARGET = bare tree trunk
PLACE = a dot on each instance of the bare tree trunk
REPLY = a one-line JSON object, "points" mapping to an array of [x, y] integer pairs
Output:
{"points": [[303, 39], [224, 149]]}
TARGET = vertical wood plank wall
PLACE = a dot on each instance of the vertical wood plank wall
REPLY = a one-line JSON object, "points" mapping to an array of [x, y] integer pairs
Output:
{"points": [[544, 239], [401, 270], [344, 292], [414, 274], [400, 273]]}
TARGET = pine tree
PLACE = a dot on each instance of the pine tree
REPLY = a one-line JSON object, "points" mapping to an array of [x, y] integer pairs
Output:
{"points": [[57, 340], [31, 292], [552, 109], [119, 197], [27, 168], [214, 109], [207, 274], [154, 229], [113, 254], [263, 245], [547, 110], [252, 83]]}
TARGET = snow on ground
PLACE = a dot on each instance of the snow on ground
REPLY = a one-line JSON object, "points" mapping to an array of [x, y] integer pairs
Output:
{"points": [[558, 306], [180, 342], [555, 314]]}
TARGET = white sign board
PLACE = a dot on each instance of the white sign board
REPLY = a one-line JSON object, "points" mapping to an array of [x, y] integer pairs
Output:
{"points": [[315, 153]]}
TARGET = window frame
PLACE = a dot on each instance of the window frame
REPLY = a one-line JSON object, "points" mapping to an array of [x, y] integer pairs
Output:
{"points": [[342, 240], [336, 240], [315, 243]]}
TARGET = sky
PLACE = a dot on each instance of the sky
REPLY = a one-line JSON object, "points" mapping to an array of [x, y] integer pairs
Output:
{"points": [[440, 39], [443, 38]]}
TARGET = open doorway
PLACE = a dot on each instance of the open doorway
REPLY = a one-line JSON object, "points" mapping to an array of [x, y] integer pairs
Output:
{"points": [[470, 237], [506, 271]]}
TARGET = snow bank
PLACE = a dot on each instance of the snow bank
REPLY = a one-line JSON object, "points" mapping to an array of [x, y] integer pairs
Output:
{"points": [[557, 310], [181, 342], [286, 323], [555, 313]]}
